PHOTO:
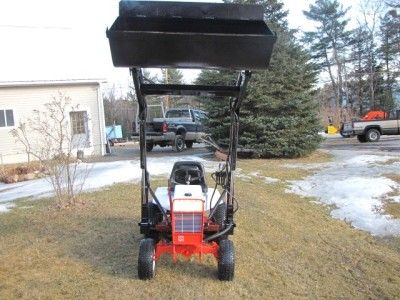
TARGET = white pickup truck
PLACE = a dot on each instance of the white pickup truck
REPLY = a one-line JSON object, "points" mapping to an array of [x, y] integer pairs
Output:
{"points": [[371, 131]]}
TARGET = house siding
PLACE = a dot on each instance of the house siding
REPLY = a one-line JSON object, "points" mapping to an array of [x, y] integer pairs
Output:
{"points": [[24, 99]]}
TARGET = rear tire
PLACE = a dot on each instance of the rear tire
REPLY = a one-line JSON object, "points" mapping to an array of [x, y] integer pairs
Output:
{"points": [[373, 135], [149, 147], [146, 260], [189, 145], [226, 260], [179, 144], [361, 138]]}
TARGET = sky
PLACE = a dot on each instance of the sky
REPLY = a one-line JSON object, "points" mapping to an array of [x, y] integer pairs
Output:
{"points": [[65, 39]]}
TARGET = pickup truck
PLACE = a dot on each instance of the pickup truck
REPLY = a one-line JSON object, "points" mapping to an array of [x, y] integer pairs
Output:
{"points": [[371, 130], [181, 127]]}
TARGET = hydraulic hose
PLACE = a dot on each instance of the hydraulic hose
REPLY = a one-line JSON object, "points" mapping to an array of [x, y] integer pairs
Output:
{"points": [[217, 235]]}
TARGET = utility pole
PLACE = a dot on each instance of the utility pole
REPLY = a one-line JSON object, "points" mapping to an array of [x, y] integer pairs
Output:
{"points": [[167, 99]]}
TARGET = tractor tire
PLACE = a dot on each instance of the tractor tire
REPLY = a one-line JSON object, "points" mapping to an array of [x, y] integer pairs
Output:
{"points": [[373, 135], [179, 144], [189, 145], [220, 214], [146, 260], [149, 147], [226, 260], [361, 138]]}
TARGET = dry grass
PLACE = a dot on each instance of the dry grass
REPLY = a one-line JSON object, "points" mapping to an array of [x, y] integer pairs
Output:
{"points": [[389, 161], [394, 177], [286, 247], [389, 207], [392, 209], [15, 172]]}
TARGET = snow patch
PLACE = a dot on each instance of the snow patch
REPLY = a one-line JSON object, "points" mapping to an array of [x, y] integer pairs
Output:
{"points": [[368, 159], [306, 167], [330, 135], [101, 174], [6, 207], [270, 179], [356, 188], [256, 174]]}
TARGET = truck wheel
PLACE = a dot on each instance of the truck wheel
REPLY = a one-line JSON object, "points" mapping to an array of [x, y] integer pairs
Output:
{"points": [[226, 260], [188, 144], [373, 135], [146, 260], [347, 135], [179, 143], [149, 147], [361, 138]]}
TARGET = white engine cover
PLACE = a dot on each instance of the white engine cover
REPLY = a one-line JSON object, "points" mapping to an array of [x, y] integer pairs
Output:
{"points": [[180, 191], [188, 192]]}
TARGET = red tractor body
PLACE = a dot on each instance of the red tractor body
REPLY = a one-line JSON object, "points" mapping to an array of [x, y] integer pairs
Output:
{"points": [[188, 219]]}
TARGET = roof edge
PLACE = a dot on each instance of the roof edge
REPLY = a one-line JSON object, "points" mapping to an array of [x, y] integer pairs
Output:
{"points": [[52, 82]]}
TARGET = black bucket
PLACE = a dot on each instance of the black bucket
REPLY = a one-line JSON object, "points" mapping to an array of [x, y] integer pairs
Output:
{"points": [[158, 34]]}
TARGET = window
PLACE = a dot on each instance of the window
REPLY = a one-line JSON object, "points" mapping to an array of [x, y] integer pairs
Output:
{"points": [[200, 116], [6, 118], [178, 114], [197, 116], [78, 122]]}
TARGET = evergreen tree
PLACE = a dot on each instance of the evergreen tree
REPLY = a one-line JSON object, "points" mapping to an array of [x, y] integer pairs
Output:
{"points": [[329, 41], [359, 59], [171, 76], [389, 53], [278, 116]]}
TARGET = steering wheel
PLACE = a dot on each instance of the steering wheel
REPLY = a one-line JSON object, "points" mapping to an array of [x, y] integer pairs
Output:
{"points": [[189, 178]]}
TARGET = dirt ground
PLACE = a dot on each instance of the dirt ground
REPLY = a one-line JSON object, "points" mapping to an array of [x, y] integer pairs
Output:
{"points": [[286, 247]]}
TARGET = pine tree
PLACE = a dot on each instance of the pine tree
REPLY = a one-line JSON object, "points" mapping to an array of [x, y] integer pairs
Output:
{"points": [[171, 76], [278, 116], [389, 53], [358, 84], [329, 41]]}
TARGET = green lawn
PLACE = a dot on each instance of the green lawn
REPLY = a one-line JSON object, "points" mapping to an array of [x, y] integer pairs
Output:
{"points": [[286, 247]]}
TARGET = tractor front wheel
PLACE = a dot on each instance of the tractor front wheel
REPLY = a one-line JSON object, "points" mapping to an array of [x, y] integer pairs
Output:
{"points": [[147, 260], [226, 260]]}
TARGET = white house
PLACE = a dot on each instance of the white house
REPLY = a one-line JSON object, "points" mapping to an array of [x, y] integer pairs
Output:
{"points": [[19, 99]]}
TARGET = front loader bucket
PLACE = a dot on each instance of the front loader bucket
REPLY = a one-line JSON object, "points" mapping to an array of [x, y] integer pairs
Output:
{"points": [[190, 35]]}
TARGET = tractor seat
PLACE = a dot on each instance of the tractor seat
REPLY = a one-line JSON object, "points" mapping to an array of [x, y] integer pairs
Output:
{"points": [[187, 173]]}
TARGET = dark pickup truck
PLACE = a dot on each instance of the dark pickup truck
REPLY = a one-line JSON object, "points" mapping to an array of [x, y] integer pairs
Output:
{"points": [[181, 127]]}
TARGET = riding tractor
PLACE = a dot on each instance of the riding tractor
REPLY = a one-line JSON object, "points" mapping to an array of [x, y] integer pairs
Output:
{"points": [[187, 217]]}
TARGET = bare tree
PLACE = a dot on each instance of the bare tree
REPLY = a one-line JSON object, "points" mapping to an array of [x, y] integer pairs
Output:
{"points": [[371, 10], [21, 135], [51, 141]]}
